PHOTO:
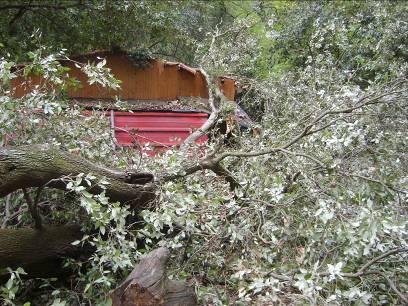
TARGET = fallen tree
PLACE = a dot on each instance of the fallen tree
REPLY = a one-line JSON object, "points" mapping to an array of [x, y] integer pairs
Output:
{"points": [[39, 251], [42, 165]]}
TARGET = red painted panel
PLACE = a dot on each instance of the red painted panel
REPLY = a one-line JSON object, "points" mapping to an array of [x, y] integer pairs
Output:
{"points": [[160, 129]]}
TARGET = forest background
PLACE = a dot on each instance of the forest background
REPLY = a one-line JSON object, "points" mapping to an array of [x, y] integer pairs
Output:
{"points": [[317, 213]]}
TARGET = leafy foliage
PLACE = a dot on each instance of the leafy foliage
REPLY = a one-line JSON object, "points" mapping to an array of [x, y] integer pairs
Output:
{"points": [[320, 216]]}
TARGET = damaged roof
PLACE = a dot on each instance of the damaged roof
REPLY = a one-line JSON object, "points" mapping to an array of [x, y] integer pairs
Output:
{"points": [[186, 104], [149, 87], [182, 104]]}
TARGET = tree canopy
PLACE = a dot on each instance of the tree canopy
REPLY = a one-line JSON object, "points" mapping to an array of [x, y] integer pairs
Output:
{"points": [[311, 208]]}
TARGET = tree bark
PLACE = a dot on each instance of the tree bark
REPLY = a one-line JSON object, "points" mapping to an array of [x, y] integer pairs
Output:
{"points": [[40, 252], [148, 285], [40, 165]]}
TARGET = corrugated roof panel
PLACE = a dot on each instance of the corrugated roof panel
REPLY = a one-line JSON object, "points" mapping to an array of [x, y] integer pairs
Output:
{"points": [[160, 129]]}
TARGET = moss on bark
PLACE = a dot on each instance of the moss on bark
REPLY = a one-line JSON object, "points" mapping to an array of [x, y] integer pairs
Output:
{"points": [[39, 252]]}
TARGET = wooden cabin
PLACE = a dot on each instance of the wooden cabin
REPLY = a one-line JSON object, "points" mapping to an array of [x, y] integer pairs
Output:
{"points": [[168, 100]]}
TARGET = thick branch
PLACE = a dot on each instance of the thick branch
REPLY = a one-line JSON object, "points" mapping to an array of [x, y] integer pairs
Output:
{"points": [[213, 161], [205, 164], [40, 165], [212, 119], [365, 101]]}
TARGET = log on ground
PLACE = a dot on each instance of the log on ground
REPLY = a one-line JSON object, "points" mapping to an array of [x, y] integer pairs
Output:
{"points": [[148, 285], [40, 252]]}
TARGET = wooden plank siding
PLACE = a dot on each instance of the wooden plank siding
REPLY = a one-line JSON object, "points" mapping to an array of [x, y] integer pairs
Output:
{"points": [[158, 81]]}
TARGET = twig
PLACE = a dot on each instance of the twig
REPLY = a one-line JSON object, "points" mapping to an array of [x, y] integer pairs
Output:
{"points": [[212, 161], [6, 211], [304, 155], [388, 186], [376, 259], [393, 287], [141, 136], [32, 206], [363, 271], [308, 129]]}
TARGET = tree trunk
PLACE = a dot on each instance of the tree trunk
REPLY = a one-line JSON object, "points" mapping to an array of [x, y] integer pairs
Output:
{"points": [[148, 285], [39, 165], [39, 252]]}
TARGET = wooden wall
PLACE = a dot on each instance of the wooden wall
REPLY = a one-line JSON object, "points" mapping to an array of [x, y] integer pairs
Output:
{"points": [[227, 86], [156, 82]]}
